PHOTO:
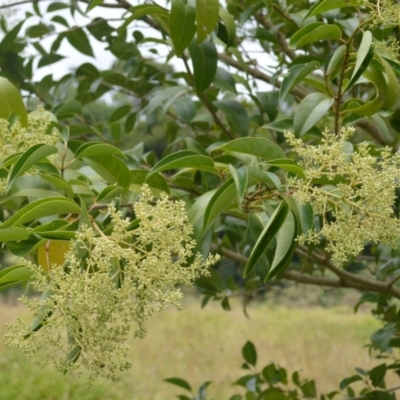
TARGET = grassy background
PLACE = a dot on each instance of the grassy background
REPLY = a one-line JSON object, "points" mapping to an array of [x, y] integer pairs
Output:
{"points": [[199, 345]]}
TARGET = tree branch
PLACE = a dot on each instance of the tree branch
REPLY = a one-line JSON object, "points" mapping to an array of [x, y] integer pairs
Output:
{"points": [[372, 130], [280, 37], [346, 279], [256, 73], [125, 5]]}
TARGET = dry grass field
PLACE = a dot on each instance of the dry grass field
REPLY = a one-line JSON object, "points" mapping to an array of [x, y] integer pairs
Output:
{"points": [[200, 345]]}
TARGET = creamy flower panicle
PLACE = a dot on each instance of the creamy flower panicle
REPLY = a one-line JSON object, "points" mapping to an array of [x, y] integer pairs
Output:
{"points": [[355, 201], [16, 139], [106, 284]]}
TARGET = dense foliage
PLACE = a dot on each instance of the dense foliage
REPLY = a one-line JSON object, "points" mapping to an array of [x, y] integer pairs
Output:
{"points": [[276, 123]]}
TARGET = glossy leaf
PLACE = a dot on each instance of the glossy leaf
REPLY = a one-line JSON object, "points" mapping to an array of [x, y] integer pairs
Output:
{"points": [[268, 234], [79, 40], [182, 24], [310, 111], [96, 149], [364, 57], [249, 353], [11, 102], [206, 18], [93, 3], [179, 382], [314, 32], [322, 6], [110, 168], [13, 234], [204, 57], [184, 159], [221, 199], [14, 275], [29, 158], [236, 115], [285, 246], [52, 253], [241, 178], [295, 76], [227, 30], [42, 208], [287, 166], [255, 146]]}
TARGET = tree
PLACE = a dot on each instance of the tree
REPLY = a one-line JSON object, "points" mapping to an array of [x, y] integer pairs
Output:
{"points": [[280, 123]]}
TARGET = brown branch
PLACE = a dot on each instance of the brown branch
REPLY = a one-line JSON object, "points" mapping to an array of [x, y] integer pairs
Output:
{"points": [[280, 37], [256, 73], [372, 130], [123, 4], [346, 279]]}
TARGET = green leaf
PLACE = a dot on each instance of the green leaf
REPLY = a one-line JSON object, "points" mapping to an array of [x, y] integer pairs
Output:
{"points": [[109, 193], [29, 158], [49, 59], [314, 32], [348, 381], [59, 183], [221, 199], [236, 114], [255, 146], [249, 353], [79, 40], [204, 57], [393, 88], [227, 30], [310, 111], [182, 24], [377, 374], [155, 181], [119, 113], [68, 110], [295, 76], [8, 40], [93, 3], [74, 351], [111, 169], [42, 208], [184, 159], [285, 246], [224, 80], [96, 149], [56, 5], [206, 18], [267, 235], [335, 63], [309, 389], [179, 382], [56, 235], [39, 30], [264, 177], [11, 102], [287, 166], [43, 314], [241, 179], [364, 57], [13, 234], [322, 6], [14, 275]]}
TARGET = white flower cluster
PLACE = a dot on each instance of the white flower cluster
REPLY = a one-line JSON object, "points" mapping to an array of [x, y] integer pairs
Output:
{"points": [[16, 139], [107, 283], [353, 192]]}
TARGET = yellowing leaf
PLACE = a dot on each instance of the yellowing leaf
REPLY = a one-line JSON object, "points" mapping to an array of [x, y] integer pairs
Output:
{"points": [[53, 252]]}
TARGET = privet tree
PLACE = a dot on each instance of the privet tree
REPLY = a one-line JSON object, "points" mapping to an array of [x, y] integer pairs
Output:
{"points": [[279, 122]]}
